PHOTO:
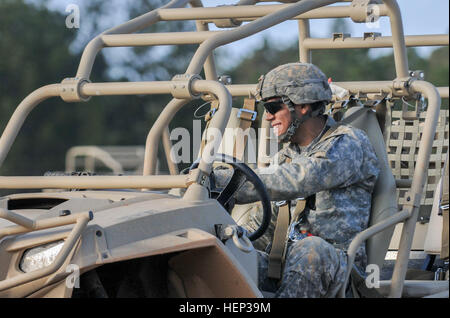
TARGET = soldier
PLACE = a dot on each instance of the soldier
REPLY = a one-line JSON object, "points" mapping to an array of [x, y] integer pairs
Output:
{"points": [[333, 166]]}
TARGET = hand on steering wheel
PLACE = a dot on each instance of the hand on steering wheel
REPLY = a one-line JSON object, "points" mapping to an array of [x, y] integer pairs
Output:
{"points": [[241, 174]]}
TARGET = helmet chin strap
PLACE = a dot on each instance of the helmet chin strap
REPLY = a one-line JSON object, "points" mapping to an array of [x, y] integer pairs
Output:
{"points": [[290, 132], [295, 123]]}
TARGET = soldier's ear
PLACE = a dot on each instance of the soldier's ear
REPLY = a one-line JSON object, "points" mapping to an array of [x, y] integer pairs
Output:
{"points": [[303, 108]]}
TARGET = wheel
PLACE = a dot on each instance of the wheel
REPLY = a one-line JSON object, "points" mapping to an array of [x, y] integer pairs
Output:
{"points": [[241, 174]]}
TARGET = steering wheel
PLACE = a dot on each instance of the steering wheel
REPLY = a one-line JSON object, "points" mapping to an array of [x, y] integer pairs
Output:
{"points": [[241, 174]]}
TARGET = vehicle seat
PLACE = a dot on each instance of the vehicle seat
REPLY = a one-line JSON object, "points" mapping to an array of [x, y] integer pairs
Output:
{"points": [[435, 238], [384, 198]]}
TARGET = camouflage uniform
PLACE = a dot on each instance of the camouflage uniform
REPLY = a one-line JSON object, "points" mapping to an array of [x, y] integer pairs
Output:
{"points": [[313, 269], [340, 170]]}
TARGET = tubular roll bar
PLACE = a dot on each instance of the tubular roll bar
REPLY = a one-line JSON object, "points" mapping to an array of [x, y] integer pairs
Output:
{"points": [[415, 193], [139, 23], [411, 210], [398, 40], [204, 52], [189, 86], [99, 182], [374, 42], [212, 42], [250, 12], [251, 28], [186, 87], [198, 37], [173, 12]]}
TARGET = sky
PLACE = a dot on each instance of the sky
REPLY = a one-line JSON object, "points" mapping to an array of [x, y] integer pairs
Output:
{"points": [[419, 17]]}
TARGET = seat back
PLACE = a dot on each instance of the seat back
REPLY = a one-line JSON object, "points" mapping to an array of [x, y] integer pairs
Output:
{"points": [[384, 198], [403, 141]]}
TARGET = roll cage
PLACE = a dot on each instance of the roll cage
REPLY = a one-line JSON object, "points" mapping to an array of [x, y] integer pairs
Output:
{"points": [[188, 86]]}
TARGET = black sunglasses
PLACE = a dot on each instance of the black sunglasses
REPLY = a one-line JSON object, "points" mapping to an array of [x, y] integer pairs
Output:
{"points": [[274, 106]]}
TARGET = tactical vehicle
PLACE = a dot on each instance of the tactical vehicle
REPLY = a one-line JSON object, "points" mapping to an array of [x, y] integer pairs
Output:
{"points": [[172, 235]]}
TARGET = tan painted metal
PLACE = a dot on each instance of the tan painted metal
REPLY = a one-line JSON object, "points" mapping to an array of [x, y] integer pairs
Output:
{"points": [[371, 41], [80, 221], [142, 39], [304, 35], [119, 159], [129, 229], [251, 28], [98, 182], [158, 128], [95, 45], [398, 38], [250, 13], [167, 145], [443, 91], [19, 115], [210, 66], [418, 182]]}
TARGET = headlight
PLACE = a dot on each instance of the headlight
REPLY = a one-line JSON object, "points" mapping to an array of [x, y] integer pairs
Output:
{"points": [[39, 257]]}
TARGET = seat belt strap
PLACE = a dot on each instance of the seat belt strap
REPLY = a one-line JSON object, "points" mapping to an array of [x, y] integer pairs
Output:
{"points": [[299, 208], [246, 115], [276, 255]]}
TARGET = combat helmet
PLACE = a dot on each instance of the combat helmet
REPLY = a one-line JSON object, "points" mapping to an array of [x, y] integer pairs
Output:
{"points": [[295, 83]]}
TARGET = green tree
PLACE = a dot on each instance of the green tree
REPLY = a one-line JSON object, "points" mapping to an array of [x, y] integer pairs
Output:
{"points": [[436, 70], [34, 51], [343, 65], [37, 49]]}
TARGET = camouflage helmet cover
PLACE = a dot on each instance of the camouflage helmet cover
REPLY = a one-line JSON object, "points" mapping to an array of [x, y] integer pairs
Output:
{"points": [[302, 83]]}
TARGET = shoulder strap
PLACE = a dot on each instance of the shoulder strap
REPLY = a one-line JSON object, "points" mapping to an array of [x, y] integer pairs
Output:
{"points": [[344, 121], [277, 251], [246, 116], [299, 208]]}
